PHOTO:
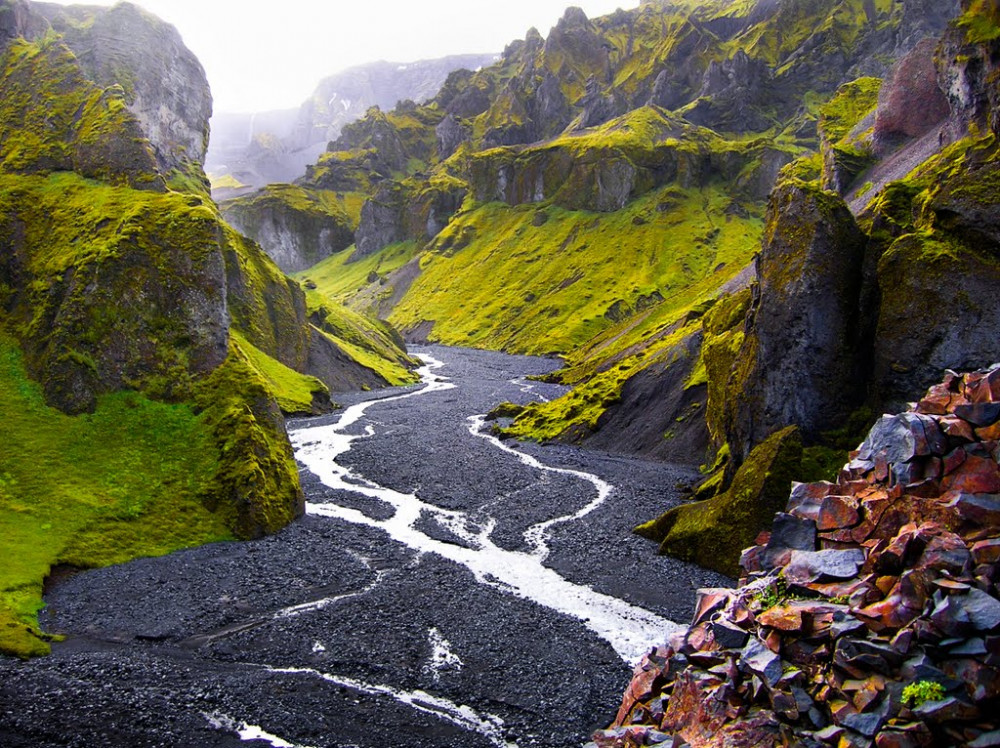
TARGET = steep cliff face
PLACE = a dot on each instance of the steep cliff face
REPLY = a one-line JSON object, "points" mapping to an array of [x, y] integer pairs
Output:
{"points": [[164, 83], [299, 227], [125, 297]]}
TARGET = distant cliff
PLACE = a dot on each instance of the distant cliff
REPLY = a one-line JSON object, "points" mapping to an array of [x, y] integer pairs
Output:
{"points": [[256, 149]]}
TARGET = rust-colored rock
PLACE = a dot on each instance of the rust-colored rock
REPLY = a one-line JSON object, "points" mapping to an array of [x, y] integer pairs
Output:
{"points": [[886, 577]]}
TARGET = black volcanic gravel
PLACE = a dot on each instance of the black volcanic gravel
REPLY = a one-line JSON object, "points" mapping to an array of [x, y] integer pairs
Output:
{"points": [[175, 651]]}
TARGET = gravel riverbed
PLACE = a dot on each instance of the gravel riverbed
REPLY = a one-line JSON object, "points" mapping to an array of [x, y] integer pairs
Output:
{"points": [[354, 628]]}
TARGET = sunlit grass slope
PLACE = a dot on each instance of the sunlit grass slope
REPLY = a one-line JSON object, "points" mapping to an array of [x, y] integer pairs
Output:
{"points": [[91, 490]]}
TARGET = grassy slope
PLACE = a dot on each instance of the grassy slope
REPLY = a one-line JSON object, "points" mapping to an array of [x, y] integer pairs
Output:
{"points": [[91, 490], [368, 342], [552, 288]]}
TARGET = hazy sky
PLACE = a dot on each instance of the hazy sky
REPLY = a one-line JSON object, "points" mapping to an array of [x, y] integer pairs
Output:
{"points": [[262, 56]]}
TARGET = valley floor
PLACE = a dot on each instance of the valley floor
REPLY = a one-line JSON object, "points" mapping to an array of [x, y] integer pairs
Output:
{"points": [[444, 589]]}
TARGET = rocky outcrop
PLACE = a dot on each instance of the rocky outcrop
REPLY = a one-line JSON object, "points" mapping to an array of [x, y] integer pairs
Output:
{"points": [[712, 532], [298, 227], [451, 133], [164, 83], [800, 360], [868, 616], [401, 211], [732, 96], [110, 281]]}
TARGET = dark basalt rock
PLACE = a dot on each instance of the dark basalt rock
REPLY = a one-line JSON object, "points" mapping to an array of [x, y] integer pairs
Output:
{"points": [[450, 135], [800, 361], [883, 604]]}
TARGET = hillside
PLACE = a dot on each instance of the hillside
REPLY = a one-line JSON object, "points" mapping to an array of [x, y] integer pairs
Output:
{"points": [[248, 151], [149, 350], [592, 194]]}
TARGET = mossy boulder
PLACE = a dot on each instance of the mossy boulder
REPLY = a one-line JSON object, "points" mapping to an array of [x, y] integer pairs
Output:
{"points": [[713, 532], [938, 312], [800, 361]]}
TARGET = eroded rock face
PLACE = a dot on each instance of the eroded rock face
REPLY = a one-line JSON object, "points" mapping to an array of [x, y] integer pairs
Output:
{"points": [[866, 591], [398, 212], [800, 357], [164, 83]]}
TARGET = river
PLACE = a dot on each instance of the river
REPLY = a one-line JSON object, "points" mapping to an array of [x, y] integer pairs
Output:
{"points": [[444, 589]]}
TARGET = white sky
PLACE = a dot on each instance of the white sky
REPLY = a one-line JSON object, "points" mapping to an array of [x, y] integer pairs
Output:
{"points": [[262, 56]]}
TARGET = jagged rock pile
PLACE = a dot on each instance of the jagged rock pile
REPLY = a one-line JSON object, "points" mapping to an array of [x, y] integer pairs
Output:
{"points": [[882, 580]]}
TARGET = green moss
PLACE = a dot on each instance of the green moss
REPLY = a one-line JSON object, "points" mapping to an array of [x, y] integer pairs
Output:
{"points": [[556, 287], [52, 118], [920, 692], [225, 182], [714, 532], [73, 491], [720, 349], [359, 283], [852, 102], [980, 21], [371, 343], [296, 394], [256, 489]]}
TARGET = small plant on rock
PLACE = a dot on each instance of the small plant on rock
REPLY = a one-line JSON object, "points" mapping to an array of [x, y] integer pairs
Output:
{"points": [[916, 694], [774, 594]]}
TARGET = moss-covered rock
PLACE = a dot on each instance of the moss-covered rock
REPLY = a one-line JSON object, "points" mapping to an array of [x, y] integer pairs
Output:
{"points": [[713, 532], [800, 362], [256, 488], [940, 314], [164, 84], [297, 226], [110, 288], [53, 119]]}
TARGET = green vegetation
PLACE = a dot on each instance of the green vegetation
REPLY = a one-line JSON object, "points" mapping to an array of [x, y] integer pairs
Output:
{"points": [[981, 21], [776, 593], [851, 104], [255, 490], [370, 343], [297, 394], [520, 284], [91, 490], [714, 532], [52, 118], [919, 693], [225, 182]]}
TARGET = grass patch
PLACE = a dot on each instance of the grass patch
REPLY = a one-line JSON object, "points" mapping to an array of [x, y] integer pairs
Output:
{"points": [[91, 490], [296, 393]]}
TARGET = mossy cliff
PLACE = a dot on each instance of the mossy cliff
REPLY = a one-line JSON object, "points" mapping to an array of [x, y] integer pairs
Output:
{"points": [[129, 307], [849, 317], [299, 226], [592, 193]]}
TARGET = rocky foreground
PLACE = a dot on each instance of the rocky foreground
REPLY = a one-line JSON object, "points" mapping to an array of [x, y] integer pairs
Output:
{"points": [[868, 616]]}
